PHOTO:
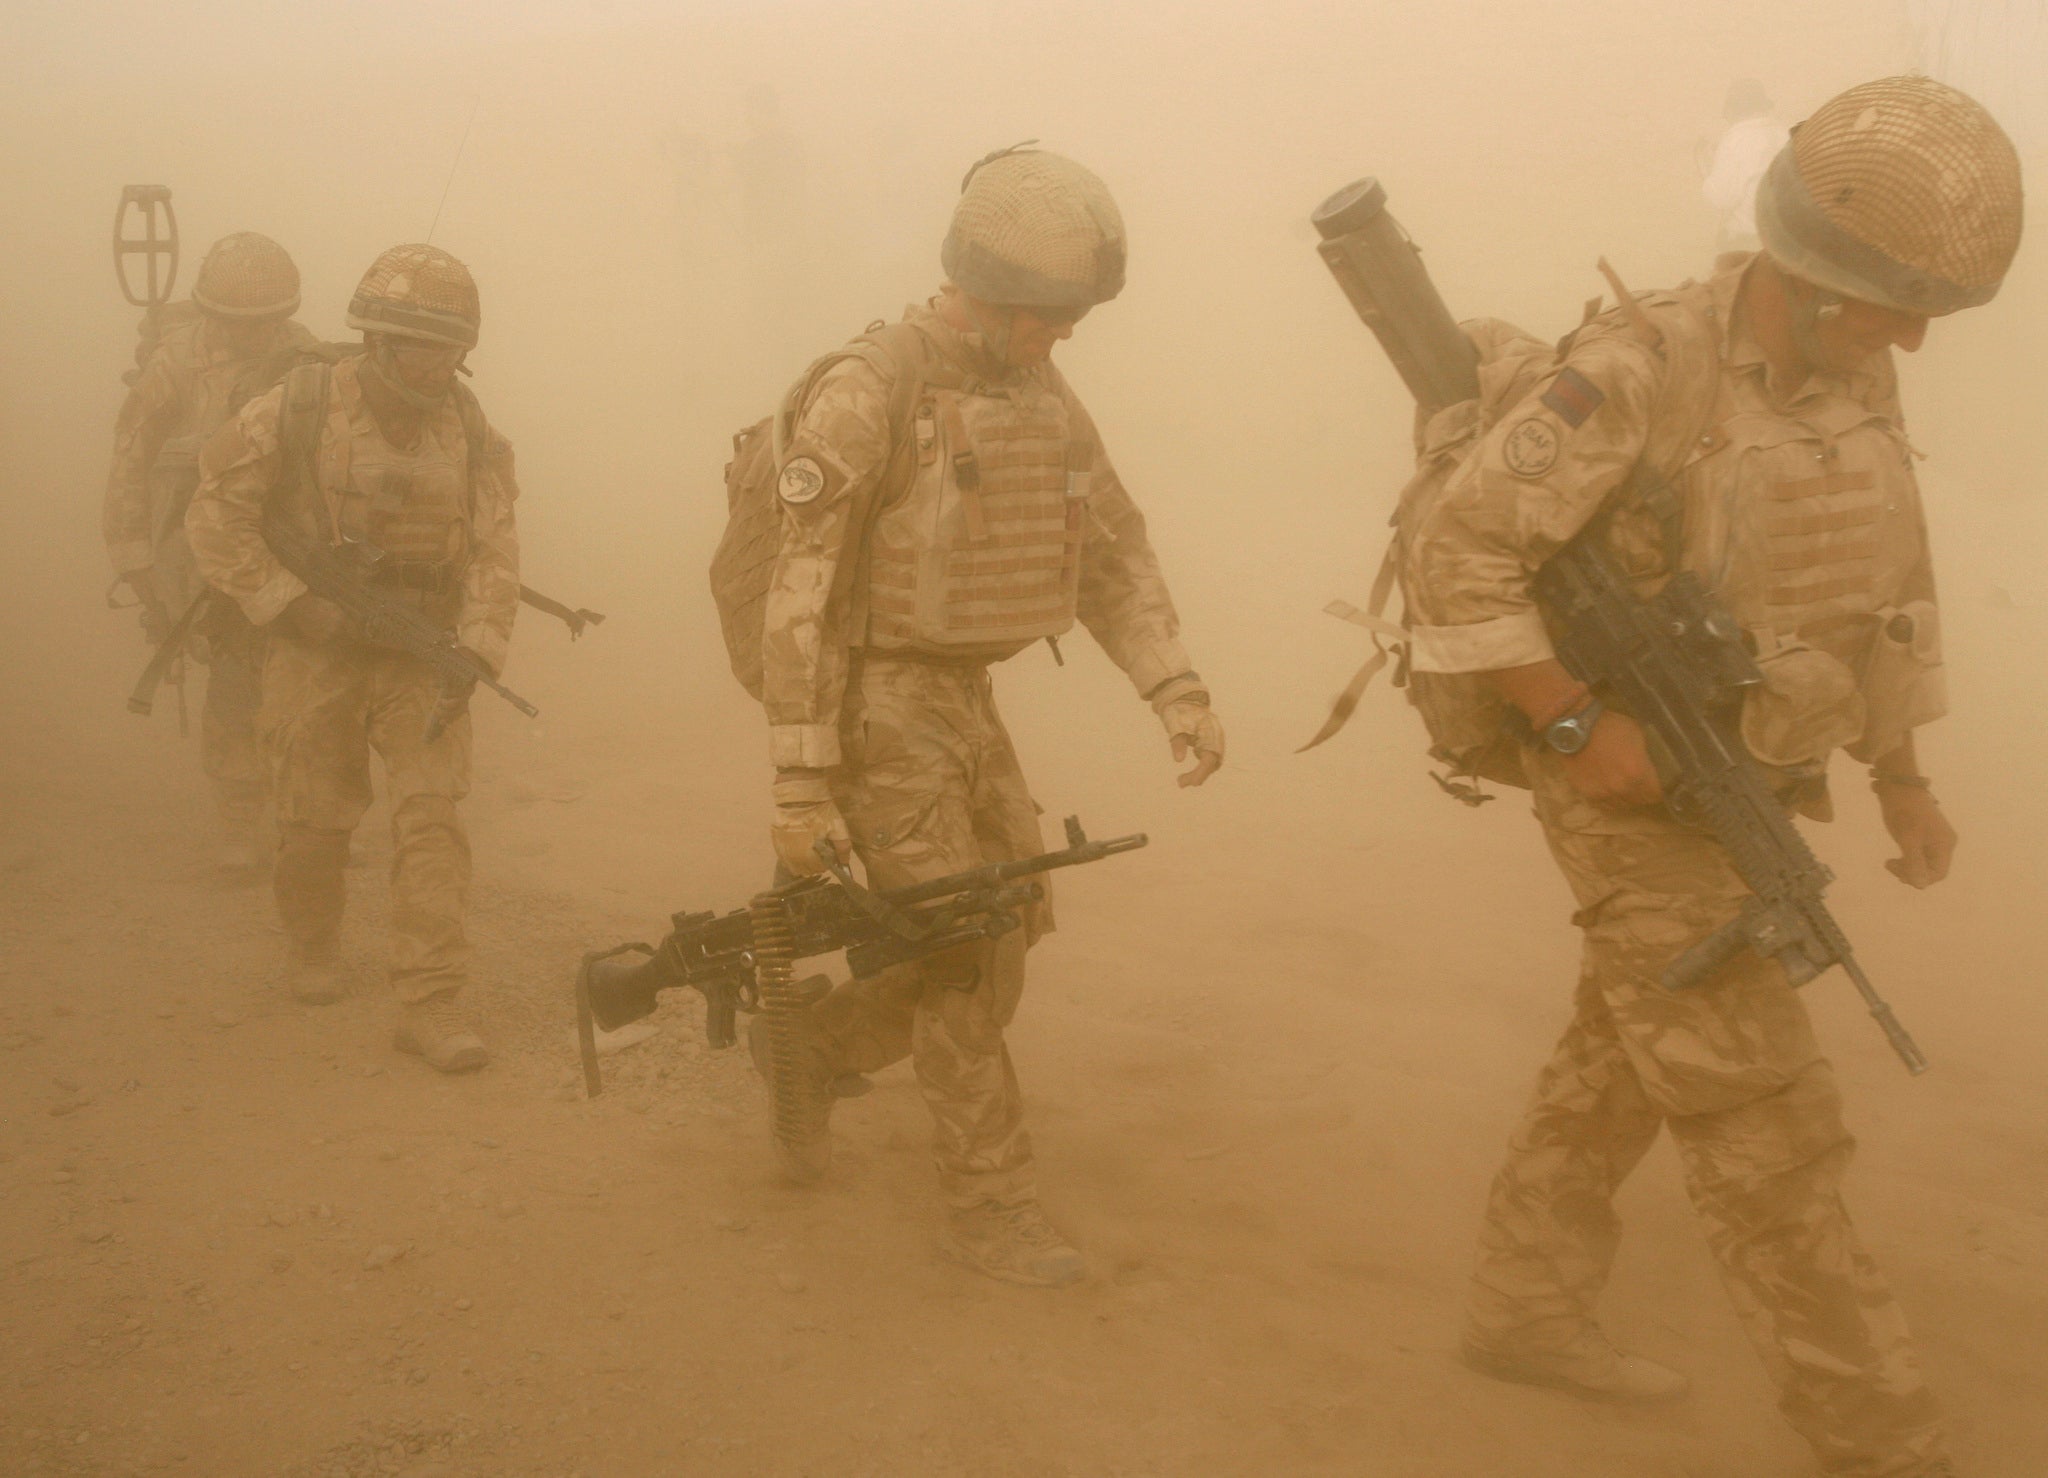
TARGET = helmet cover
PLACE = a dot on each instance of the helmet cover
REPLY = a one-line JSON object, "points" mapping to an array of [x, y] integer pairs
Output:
{"points": [[247, 275], [418, 292], [1901, 192], [1035, 230]]}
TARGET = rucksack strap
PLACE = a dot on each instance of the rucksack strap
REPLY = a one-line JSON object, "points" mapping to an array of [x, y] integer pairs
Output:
{"points": [[300, 417], [900, 351]]}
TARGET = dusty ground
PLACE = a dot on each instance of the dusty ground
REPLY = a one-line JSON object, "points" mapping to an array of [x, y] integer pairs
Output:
{"points": [[1270, 1061]]}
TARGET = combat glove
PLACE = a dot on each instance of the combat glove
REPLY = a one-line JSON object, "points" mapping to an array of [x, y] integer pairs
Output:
{"points": [[804, 812], [1182, 704]]}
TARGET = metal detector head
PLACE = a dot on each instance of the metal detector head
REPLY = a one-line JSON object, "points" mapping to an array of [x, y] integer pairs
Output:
{"points": [[157, 244]]}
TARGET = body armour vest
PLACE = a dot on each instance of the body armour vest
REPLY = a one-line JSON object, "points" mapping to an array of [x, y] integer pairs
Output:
{"points": [[411, 506], [980, 554], [1805, 519]]}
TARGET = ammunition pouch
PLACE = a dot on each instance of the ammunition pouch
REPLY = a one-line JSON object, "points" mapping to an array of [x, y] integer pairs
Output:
{"points": [[1806, 707]]}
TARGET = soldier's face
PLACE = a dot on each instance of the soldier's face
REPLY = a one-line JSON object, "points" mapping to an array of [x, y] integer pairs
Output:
{"points": [[1858, 330], [248, 335], [1035, 331], [424, 368]]}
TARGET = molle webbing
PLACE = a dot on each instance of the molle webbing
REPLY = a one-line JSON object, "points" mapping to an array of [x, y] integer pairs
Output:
{"points": [[1007, 501]]}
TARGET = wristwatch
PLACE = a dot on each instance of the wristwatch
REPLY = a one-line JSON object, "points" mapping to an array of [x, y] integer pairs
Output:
{"points": [[1574, 731]]}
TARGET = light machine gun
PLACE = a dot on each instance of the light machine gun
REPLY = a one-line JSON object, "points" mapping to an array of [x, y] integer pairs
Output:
{"points": [[1676, 662], [745, 960]]}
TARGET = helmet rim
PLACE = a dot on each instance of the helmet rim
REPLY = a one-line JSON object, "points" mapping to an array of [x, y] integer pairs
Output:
{"points": [[1807, 244]]}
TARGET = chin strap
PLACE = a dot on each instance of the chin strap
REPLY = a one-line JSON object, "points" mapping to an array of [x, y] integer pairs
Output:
{"points": [[998, 340], [1810, 306]]}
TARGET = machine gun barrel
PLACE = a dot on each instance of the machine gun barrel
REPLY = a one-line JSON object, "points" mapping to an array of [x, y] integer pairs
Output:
{"points": [[1078, 852]]}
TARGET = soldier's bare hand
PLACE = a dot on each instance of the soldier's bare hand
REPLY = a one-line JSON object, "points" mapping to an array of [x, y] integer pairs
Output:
{"points": [[1927, 843], [1615, 769], [314, 618]]}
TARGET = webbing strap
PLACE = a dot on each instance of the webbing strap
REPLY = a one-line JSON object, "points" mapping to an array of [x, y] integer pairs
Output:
{"points": [[1374, 621], [143, 698], [904, 347]]}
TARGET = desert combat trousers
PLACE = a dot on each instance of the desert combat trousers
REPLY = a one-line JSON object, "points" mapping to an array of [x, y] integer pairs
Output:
{"points": [[1734, 1070], [227, 724], [929, 786], [326, 706]]}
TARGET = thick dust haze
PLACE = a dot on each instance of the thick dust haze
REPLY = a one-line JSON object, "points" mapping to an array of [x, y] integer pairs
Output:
{"points": [[1271, 1061]]}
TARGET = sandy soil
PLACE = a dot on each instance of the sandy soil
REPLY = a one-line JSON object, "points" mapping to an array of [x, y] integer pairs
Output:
{"points": [[1271, 1061]]}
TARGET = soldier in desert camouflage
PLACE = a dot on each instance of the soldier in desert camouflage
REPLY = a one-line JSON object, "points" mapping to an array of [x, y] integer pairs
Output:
{"points": [[405, 463], [237, 342], [914, 557], [1771, 386]]}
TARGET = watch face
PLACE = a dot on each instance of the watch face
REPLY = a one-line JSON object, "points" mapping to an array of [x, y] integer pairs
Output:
{"points": [[1570, 735]]}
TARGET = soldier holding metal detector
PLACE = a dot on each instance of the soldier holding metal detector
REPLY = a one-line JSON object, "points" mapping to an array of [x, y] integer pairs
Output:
{"points": [[1658, 574], [200, 361]]}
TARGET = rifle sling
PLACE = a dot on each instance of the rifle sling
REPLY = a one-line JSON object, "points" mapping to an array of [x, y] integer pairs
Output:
{"points": [[143, 698]]}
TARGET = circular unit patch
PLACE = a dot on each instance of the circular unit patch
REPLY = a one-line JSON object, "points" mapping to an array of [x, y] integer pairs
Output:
{"points": [[801, 481], [1531, 448]]}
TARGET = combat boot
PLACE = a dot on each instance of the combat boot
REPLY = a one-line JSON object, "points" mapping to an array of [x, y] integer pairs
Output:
{"points": [[1593, 1369], [315, 979], [439, 1030], [1013, 1242]]}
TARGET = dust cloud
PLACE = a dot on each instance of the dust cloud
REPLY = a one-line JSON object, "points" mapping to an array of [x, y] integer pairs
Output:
{"points": [[1271, 1060]]}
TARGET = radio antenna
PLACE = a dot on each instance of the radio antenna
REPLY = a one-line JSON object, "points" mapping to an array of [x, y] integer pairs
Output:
{"points": [[454, 165]]}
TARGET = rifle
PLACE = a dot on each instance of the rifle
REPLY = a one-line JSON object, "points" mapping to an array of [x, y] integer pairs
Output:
{"points": [[741, 961], [340, 573], [1675, 662]]}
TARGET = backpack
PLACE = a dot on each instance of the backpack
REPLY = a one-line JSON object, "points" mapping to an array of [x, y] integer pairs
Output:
{"points": [[1473, 730], [743, 566], [164, 321]]}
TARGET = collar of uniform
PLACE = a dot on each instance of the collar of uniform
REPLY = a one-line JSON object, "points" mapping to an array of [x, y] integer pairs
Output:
{"points": [[1871, 384], [968, 351], [348, 389], [1739, 348]]}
